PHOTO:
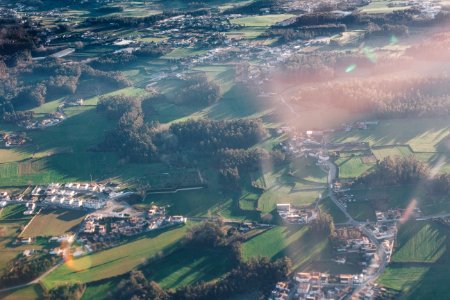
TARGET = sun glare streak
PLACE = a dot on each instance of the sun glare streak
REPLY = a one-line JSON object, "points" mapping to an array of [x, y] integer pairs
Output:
{"points": [[370, 54], [408, 211], [393, 40], [70, 262]]}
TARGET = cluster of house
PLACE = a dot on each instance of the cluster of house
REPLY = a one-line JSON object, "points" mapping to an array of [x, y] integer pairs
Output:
{"points": [[111, 228], [52, 120], [359, 125], [74, 195], [316, 285], [352, 240], [292, 215], [189, 22], [11, 139], [390, 215], [385, 230], [304, 144]]}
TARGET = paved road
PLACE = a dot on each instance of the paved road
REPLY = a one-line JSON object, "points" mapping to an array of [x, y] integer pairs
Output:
{"points": [[332, 174]]}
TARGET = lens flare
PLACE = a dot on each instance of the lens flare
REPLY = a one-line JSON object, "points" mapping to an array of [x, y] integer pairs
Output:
{"points": [[393, 40], [76, 265], [370, 54], [408, 211], [350, 68]]}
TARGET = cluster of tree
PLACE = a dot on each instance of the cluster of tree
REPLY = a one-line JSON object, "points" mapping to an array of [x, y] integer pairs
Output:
{"points": [[394, 97], [211, 136], [24, 269], [17, 35], [398, 170], [257, 274], [132, 137], [386, 30], [208, 234], [121, 21], [138, 287], [407, 170], [440, 185], [16, 117], [113, 61], [68, 292], [234, 162], [122, 59], [109, 9], [307, 32], [32, 95], [198, 90], [255, 7], [142, 142], [323, 18], [323, 224], [151, 51]]}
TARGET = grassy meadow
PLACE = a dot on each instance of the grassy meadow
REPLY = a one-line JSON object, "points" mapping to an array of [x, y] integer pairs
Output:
{"points": [[419, 268], [117, 260]]}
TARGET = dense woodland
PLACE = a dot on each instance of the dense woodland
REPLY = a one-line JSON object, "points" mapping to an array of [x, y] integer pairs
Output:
{"points": [[69, 292], [24, 269], [407, 170], [387, 98], [258, 274], [198, 91], [140, 141]]}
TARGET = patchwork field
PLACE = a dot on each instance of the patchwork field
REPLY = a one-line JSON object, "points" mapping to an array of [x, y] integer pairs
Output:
{"points": [[261, 21], [427, 135], [53, 223], [421, 258], [352, 167], [284, 194], [420, 242], [392, 151], [115, 261]]}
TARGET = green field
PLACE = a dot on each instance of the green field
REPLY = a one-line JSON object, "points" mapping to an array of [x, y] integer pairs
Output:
{"points": [[117, 260], [31, 292], [13, 211], [261, 21], [427, 135], [10, 155], [369, 200], [391, 151], [352, 167], [188, 266], [381, 7], [420, 242], [306, 170], [284, 194], [420, 269], [183, 52], [308, 251]]}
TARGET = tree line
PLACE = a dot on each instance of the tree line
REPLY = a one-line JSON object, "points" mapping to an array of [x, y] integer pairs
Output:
{"points": [[24, 269], [406, 170], [256, 274]]}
